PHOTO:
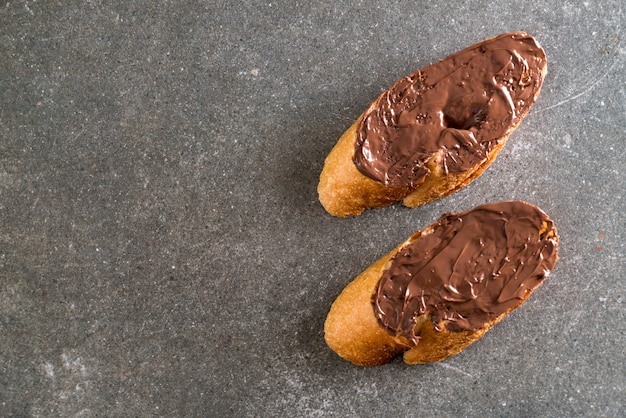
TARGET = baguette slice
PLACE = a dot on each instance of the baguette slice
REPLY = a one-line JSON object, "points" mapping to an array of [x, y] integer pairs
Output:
{"points": [[436, 130], [465, 273]]}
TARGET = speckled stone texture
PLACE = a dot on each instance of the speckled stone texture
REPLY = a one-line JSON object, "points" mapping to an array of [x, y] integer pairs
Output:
{"points": [[162, 249]]}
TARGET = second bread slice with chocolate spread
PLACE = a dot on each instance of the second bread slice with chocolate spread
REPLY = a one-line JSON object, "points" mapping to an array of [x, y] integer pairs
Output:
{"points": [[436, 130], [445, 286]]}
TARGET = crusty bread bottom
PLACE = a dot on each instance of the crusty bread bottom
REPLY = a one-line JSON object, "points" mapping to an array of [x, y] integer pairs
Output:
{"points": [[345, 191], [353, 332]]}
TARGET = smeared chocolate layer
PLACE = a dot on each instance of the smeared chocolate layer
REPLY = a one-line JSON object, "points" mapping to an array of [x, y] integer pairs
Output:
{"points": [[461, 105], [470, 269]]}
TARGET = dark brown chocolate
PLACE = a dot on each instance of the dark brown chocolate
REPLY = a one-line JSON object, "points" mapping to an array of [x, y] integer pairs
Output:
{"points": [[462, 105], [470, 269]]}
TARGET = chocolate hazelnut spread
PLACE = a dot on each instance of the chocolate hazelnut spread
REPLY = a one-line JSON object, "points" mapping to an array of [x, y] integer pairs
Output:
{"points": [[462, 105], [467, 270]]}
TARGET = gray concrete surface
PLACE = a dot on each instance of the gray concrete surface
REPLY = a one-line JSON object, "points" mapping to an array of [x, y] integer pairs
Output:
{"points": [[162, 249]]}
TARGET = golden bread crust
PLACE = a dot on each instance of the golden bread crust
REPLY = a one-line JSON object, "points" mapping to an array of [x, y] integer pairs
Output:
{"points": [[343, 190], [352, 330]]}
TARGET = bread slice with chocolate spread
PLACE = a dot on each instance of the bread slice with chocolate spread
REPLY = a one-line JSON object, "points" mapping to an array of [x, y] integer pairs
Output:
{"points": [[444, 287], [436, 130]]}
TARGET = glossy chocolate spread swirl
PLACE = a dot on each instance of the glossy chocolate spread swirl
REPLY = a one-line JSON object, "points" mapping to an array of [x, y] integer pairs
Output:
{"points": [[470, 269], [461, 105]]}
